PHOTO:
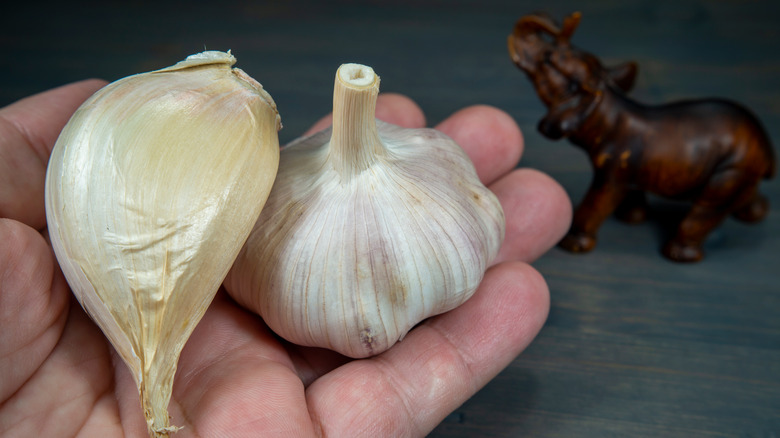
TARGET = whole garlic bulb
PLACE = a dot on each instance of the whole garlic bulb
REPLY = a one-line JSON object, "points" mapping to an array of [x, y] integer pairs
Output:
{"points": [[369, 229], [152, 188]]}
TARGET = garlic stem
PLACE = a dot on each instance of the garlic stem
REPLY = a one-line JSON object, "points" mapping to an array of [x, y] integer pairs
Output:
{"points": [[154, 401], [354, 142]]}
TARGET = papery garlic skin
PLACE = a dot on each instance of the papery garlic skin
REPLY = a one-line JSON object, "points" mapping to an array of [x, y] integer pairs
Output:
{"points": [[369, 229], [152, 188]]}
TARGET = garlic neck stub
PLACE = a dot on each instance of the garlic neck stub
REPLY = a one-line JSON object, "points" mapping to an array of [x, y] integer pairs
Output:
{"points": [[355, 143], [369, 229], [152, 188]]}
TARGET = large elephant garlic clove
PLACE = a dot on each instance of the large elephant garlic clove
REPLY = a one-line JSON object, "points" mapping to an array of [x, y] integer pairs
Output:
{"points": [[369, 229], [152, 188]]}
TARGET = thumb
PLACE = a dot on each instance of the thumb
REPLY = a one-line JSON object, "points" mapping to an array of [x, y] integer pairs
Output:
{"points": [[33, 304], [28, 131]]}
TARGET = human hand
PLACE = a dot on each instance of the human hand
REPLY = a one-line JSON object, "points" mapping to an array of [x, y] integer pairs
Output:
{"points": [[61, 378]]}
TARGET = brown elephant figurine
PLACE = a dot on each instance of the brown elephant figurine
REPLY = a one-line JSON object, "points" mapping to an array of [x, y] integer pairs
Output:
{"points": [[712, 152]]}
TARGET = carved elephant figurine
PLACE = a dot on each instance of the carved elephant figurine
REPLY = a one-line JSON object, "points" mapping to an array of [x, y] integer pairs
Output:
{"points": [[712, 152]]}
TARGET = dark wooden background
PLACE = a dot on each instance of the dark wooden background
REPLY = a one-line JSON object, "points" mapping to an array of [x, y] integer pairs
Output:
{"points": [[634, 345]]}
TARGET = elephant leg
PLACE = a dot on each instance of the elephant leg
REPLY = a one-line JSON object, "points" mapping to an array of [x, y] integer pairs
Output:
{"points": [[723, 193], [754, 207], [599, 202], [633, 209], [686, 245]]}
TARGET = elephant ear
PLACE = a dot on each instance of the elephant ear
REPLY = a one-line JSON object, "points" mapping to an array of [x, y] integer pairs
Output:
{"points": [[623, 76]]}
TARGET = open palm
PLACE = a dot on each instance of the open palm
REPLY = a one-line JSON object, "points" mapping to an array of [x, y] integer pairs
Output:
{"points": [[61, 378]]}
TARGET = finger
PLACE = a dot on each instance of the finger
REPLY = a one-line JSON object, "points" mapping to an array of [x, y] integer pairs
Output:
{"points": [[70, 389], [538, 214], [391, 108], [28, 131], [489, 136], [312, 362], [40, 118], [33, 304], [409, 389]]}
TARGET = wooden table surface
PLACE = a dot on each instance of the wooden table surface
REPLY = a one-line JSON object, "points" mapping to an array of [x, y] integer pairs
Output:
{"points": [[635, 345]]}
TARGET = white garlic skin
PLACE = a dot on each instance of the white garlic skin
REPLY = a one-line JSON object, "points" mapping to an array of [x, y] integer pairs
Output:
{"points": [[152, 188], [351, 257]]}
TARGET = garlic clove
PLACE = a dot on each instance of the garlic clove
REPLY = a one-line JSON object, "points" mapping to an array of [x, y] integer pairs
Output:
{"points": [[369, 229], [152, 188]]}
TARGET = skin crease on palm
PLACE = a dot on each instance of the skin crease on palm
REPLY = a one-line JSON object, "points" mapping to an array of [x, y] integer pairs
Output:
{"points": [[60, 377]]}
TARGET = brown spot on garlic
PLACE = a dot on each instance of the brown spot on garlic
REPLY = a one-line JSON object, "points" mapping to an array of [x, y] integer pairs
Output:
{"points": [[369, 229], [368, 340]]}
